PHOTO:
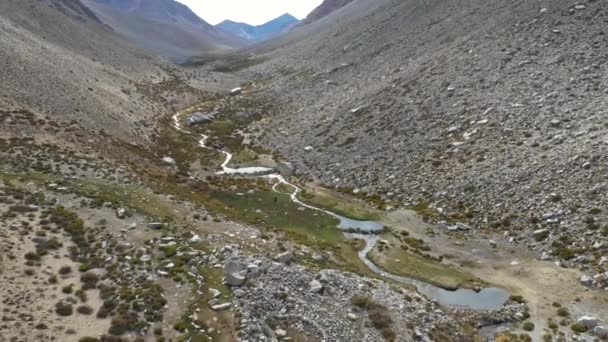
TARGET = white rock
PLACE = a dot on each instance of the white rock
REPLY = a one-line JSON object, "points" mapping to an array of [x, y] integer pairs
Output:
{"points": [[280, 332], [589, 321], [215, 292], [121, 213], [601, 331], [462, 226], [235, 279], [308, 148], [169, 160], [220, 307], [315, 286], [351, 316], [284, 257], [586, 280], [155, 225]]}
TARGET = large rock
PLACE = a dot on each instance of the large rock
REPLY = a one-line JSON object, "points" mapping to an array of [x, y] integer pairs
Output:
{"points": [[236, 279], [155, 225], [601, 331], [220, 307], [236, 272], [121, 213], [586, 280], [236, 91], [199, 118], [284, 258], [316, 286], [462, 226], [540, 234], [234, 265], [169, 161], [589, 321]]}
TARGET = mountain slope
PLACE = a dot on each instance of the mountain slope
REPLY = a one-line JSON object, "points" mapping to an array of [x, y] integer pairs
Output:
{"points": [[164, 27], [487, 108], [325, 9], [259, 33], [68, 66]]}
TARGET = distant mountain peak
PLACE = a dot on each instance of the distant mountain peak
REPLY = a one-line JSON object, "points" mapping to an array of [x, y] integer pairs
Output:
{"points": [[259, 33]]}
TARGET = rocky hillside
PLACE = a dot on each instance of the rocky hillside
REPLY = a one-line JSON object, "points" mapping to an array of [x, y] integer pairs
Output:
{"points": [[87, 74], [259, 33], [480, 111], [164, 27], [325, 9]]}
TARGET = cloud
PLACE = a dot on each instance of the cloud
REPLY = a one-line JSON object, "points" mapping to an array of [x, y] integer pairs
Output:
{"points": [[253, 12]]}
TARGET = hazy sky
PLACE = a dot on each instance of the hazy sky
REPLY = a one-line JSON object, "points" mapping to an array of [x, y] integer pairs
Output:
{"points": [[253, 12]]}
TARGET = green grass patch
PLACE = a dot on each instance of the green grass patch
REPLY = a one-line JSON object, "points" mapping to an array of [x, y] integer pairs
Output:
{"points": [[275, 210], [418, 267], [323, 198]]}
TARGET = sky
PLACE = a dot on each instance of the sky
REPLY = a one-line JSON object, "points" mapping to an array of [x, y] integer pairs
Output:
{"points": [[254, 12]]}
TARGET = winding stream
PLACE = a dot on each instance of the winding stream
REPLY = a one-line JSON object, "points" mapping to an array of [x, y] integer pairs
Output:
{"points": [[490, 298]]}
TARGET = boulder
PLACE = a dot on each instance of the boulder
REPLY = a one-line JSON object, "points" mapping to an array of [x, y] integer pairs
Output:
{"points": [[462, 226], [195, 239], [155, 225], [121, 213], [309, 148], [589, 321], [220, 307], [169, 161], [199, 118], [234, 265], [236, 279], [586, 280], [316, 286], [236, 272], [284, 258], [601, 331], [540, 234], [236, 91], [280, 332]]}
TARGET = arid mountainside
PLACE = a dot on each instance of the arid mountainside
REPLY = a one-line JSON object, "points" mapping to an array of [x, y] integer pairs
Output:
{"points": [[87, 74], [486, 112], [164, 27], [399, 170], [325, 9]]}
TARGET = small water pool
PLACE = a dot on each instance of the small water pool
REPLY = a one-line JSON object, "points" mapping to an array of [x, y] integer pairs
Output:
{"points": [[490, 298]]}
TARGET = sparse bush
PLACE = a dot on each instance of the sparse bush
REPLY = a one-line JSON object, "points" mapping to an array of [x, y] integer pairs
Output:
{"points": [[103, 312], [85, 310], [563, 312], [88, 339], [89, 280], [64, 309], [32, 256], [528, 326], [377, 313], [68, 289], [518, 299], [64, 270], [578, 328], [81, 294]]}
